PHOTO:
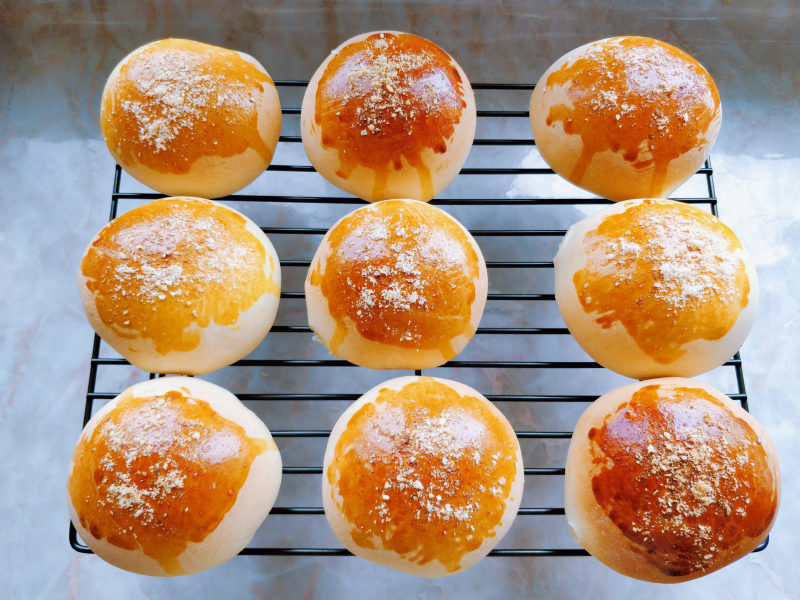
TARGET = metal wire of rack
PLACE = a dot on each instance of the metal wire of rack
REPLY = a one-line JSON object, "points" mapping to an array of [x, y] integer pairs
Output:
{"points": [[99, 362]]}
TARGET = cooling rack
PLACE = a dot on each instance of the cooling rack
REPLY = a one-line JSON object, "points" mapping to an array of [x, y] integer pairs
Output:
{"points": [[537, 393]]}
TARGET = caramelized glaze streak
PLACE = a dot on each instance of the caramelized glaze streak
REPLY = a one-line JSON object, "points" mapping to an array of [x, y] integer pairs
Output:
{"points": [[178, 100], [172, 266], [681, 477], [160, 472], [641, 98], [424, 472], [668, 272], [385, 99], [403, 273]]}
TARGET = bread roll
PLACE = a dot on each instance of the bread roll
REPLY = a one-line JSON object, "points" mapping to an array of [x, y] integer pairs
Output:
{"points": [[626, 117], [189, 119], [388, 115], [422, 475], [668, 480], [181, 285], [172, 477], [398, 284], [653, 288]]}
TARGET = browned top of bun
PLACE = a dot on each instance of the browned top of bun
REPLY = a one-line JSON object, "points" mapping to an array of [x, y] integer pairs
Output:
{"points": [[159, 472], [681, 476], [403, 272], [174, 101], [642, 98], [670, 273], [160, 268], [386, 98], [424, 471]]}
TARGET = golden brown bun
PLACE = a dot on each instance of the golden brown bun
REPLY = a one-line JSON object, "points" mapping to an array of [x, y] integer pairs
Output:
{"points": [[655, 288], [388, 115], [626, 117], [172, 477], [668, 480], [422, 475], [181, 285], [189, 119], [398, 284]]}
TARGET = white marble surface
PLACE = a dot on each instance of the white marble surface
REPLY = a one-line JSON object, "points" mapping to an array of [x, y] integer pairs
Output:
{"points": [[55, 179]]}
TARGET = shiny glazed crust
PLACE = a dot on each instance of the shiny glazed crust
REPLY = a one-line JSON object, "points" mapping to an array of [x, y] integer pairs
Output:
{"points": [[204, 171], [253, 503], [411, 562], [608, 172], [402, 179], [388, 353], [613, 346], [219, 344], [685, 464]]}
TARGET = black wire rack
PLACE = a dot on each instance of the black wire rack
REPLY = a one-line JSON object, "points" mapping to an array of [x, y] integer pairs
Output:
{"points": [[509, 121]]}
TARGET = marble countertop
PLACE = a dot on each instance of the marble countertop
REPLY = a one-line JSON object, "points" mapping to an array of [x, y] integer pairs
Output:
{"points": [[55, 182]]}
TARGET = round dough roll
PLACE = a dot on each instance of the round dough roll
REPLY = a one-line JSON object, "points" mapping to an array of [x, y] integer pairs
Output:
{"points": [[172, 477], [422, 475], [398, 284], [626, 117], [190, 119], [668, 480], [181, 285], [388, 115], [655, 288]]}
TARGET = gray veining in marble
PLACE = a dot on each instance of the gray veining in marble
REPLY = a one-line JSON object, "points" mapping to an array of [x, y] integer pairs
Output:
{"points": [[55, 180]]}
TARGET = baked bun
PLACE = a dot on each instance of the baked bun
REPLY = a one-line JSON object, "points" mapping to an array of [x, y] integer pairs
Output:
{"points": [[172, 477], [398, 284], [422, 475], [626, 117], [668, 480], [653, 288], [180, 285], [189, 119], [388, 115]]}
